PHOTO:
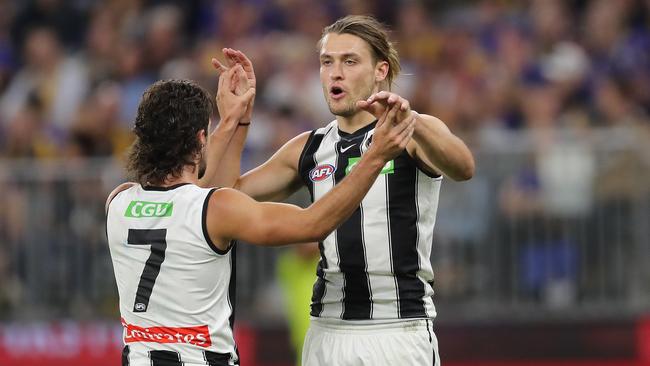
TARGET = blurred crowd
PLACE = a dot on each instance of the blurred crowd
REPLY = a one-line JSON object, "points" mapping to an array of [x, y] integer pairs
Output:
{"points": [[530, 85], [72, 71]]}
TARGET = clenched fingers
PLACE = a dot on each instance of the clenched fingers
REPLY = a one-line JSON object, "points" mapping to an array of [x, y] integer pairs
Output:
{"points": [[389, 99], [381, 121], [387, 119], [404, 124], [405, 135]]}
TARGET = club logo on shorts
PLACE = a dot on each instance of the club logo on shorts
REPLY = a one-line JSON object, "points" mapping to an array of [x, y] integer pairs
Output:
{"points": [[321, 172]]}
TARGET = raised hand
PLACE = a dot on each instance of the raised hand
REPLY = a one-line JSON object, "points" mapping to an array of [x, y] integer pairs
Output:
{"points": [[379, 102], [392, 134], [236, 57], [234, 102], [233, 107]]}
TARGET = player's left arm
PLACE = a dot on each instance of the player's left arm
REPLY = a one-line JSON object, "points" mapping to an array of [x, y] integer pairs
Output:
{"points": [[439, 150], [433, 144]]}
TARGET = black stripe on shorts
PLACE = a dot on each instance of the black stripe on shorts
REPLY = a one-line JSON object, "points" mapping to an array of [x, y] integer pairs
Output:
{"points": [[125, 356], [216, 359], [165, 358]]}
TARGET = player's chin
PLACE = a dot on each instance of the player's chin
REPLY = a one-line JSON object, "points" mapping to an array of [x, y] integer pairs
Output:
{"points": [[343, 112], [343, 109]]}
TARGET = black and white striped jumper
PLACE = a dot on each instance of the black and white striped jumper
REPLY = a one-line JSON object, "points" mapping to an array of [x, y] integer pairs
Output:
{"points": [[376, 265]]}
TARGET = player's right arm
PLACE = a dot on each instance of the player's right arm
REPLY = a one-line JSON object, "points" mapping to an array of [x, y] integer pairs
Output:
{"points": [[274, 180], [224, 172], [233, 215], [278, 177]]}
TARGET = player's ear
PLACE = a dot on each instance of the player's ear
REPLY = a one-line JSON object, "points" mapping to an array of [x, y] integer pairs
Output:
{"points": [[202, 135], [381, 71]]}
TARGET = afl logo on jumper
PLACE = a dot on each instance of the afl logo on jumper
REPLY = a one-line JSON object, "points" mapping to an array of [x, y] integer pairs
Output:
{"points": [[321, 172]]}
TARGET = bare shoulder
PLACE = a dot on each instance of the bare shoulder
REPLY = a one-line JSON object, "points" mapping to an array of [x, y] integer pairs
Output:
{"points": [[117, 190], [225, 209], [300, 139], [225, 198], [222, 215], [297, 144], [223, 193]]}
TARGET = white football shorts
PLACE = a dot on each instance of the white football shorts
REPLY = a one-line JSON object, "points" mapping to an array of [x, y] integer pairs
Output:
{"points": [[347, 343]]}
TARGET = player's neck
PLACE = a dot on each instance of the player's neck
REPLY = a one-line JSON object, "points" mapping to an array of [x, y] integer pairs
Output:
{"points": [[189, 174], [355, 122]]}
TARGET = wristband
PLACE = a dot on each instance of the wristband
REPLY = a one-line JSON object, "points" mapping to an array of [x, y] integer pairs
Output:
{"points": [[243, 124]]}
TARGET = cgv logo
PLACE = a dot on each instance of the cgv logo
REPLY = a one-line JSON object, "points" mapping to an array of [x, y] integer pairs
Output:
{"points": [[139, 209], [321, 172]]}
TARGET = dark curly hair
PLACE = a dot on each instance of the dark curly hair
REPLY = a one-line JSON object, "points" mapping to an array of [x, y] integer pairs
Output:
{"points": [[170, 115]]}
